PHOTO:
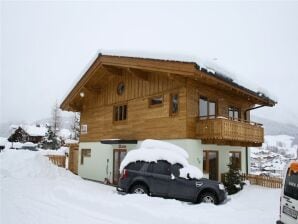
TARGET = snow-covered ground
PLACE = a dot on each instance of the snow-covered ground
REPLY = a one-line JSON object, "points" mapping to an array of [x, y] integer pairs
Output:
{"points": [[274, 155], [35, 191]]}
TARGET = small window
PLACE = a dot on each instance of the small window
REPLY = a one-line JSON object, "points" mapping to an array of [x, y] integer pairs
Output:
{"points": [[85, 153], [174, 104], [120, 113], [207, 108], [235, 159], [84, 129], [234, 113], [161, 167], [120, 88], [156, 101]]}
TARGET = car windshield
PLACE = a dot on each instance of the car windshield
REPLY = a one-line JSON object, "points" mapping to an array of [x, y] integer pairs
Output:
{"points": [[291, 184]]}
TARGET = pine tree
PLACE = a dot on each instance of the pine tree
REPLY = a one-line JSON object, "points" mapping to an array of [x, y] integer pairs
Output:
{"points": [[233, 180], [51, 141]]}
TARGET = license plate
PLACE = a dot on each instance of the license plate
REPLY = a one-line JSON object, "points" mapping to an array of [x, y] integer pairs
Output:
{"points": [[290, 212]]}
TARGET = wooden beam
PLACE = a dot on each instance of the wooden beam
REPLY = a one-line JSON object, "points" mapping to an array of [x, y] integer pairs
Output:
{"points": [[112, 70], [141, 74]]}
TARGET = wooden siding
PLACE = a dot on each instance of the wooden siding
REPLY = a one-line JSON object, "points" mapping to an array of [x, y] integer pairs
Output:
{"points": [[142, 122]]}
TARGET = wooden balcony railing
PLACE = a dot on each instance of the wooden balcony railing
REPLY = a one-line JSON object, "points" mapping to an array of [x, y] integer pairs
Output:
{"points": [[224, 131]]}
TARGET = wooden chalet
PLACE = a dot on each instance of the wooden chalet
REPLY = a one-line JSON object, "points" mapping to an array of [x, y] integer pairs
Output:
{"points": [[131, 99]]}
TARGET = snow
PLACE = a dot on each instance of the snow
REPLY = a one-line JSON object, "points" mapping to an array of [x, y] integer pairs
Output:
{"points": [[154, 150], [34, 130], [156, 144], [3, 141], [33, 190], [65, 133], [71, 141]]}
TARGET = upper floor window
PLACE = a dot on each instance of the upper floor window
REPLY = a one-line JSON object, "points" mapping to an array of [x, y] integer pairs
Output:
{"points": [[174, 104], [207, 108], [120, 112], [234, 113], [156, 101]]}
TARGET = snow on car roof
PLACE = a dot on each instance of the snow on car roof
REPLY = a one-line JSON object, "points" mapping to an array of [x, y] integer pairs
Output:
{"points": [[154, 150]]}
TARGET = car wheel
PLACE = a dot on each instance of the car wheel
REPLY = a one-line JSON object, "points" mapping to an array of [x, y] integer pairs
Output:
{"points": [[208, 197], [139, 189]]}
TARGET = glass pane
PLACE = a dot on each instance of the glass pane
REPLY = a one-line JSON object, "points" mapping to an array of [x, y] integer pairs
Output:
{"points": [[203, 107], [174, 104], [291, 185], [236, 114], [212, 109], [213, 166], [124, 112], [156, 100], [231, 114]]}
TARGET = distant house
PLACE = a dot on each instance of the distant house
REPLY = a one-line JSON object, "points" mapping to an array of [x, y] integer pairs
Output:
{"points": [[28, 133], [125, 100]]}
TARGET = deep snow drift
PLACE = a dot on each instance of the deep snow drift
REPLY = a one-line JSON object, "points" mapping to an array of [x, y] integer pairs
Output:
{"points": [[35, 191]]}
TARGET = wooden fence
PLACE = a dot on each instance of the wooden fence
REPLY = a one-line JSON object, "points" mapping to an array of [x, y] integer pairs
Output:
{"points": [[58, 160], [271, 182]]}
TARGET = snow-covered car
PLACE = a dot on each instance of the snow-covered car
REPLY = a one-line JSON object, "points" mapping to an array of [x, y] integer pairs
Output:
{"points": [[161, 169], [289, 196]]}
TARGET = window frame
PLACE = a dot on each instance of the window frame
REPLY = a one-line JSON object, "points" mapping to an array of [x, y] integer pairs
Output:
{"points": [[171, 104], [208, 116], [115, 108], [233, 111], [85, 153], [150, 105], [233, 156]]}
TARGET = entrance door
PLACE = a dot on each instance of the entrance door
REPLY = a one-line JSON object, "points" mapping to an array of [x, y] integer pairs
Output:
{"points": [[118, 156], [210, 164]]}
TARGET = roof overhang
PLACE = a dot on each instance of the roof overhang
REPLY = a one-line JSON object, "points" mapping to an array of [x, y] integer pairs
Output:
{"points": [[185, 69]]}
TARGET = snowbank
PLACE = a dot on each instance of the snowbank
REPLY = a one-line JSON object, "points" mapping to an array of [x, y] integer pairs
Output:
{"points": [[35, 191], [27, 164], [154, 150]]}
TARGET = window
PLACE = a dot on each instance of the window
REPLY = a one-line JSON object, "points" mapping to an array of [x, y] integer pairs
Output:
{"points": [[85, 153], [176, 169], [291, 184], [120, 113], [234, 113], [84, 129], [135, 166], [174, 104], [207, 108], [156, 101], [161, 167], [120, 88], [235, 159]]}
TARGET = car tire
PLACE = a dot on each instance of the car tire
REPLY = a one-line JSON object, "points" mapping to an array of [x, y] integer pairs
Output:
{"points": [[208, 197], [139, 189]]}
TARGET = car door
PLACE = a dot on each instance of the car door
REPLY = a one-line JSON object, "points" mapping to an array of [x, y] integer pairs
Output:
{"points": [[182, 188], [159, 178]]}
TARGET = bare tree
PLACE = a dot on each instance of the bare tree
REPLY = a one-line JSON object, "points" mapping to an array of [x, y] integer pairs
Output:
{"points": [[56, 118], [76, 126]]}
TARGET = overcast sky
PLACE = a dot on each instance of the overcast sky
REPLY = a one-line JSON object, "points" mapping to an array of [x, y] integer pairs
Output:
{"points": [[46, 46]]}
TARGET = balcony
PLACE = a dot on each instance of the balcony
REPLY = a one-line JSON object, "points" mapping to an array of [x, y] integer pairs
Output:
{"points": [[224, 131]]}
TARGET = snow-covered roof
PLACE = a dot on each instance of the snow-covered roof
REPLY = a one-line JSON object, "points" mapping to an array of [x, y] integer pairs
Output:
{"points": [[206, 67], [154, 150], [33, 130], [3, 141]]}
